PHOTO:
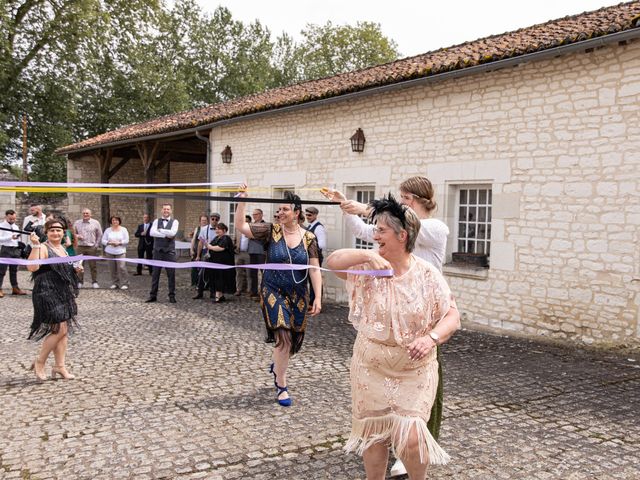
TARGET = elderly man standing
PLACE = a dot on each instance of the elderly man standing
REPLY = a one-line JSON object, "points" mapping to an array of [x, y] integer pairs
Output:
{"points": [[89, 234], [9, 249], [318, 229]]}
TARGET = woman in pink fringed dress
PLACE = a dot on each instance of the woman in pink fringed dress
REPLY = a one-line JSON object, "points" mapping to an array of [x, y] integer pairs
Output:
{"points": [[400, 319]]}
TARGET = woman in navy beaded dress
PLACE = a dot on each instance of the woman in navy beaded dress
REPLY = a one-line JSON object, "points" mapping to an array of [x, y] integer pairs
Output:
{"points": [[284, 296]]}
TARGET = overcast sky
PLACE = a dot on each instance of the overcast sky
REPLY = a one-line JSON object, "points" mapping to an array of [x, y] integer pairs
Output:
{"points": [[417, 26]]}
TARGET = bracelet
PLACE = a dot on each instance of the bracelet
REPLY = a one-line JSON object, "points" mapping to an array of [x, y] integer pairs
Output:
{"points": [[35, 246]]}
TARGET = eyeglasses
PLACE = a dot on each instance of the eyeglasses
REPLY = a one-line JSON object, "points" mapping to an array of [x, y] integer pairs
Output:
{"points": [[215, 218], [307, 214]]}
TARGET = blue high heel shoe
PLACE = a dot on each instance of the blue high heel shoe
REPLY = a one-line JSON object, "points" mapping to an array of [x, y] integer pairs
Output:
{"points": [[285, 402]]}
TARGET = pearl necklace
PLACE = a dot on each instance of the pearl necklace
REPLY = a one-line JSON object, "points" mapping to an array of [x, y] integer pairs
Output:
{"points": [[306, 272]]}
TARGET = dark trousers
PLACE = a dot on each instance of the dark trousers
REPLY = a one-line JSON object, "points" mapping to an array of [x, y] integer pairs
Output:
{"points": [[205, 281], [9, 252], [144, 251], [171, 273], [255, 259]]}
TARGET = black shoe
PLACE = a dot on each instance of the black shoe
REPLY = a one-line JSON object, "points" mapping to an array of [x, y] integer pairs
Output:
{"points": [[151, 300], [136, 274], [199, 295], [219, 300], [172, 300]]}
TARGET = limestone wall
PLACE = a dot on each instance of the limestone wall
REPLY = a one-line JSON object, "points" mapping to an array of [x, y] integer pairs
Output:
{"points": [[558, 143]]}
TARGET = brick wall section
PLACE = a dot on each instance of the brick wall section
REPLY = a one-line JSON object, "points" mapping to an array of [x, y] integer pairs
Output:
{"points": [[131, 209], [557, 140]]}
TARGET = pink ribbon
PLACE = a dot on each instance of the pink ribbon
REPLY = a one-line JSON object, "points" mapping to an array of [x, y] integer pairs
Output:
{"points": [[200, 264]]}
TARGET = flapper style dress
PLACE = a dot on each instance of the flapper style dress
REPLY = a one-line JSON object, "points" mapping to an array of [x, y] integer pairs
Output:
{"points": [[284, 296], [390, 392], [55, 288], [223, 280]]}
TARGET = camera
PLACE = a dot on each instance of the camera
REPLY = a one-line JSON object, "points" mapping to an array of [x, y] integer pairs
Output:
{"points": [[38, 230]]}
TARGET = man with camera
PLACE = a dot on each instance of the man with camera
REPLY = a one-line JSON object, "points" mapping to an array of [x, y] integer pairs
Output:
{"points": [[9, 248], [32, 221]]}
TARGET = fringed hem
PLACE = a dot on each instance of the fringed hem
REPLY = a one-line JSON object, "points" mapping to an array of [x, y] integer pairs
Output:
{"points": [[293, 338], [38, 332], [395, 430]]}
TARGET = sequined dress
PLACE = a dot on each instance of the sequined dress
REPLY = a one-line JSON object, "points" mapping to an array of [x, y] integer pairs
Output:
{"points": [[284, 296], [390, 392], [55, 288]]}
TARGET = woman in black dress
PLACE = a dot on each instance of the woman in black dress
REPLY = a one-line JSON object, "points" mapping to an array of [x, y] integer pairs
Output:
{"points": [[55, 288], [221, 251]]}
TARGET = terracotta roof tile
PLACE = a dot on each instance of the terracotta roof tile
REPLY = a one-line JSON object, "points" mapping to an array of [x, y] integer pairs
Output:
{"points": [[564, 31]]}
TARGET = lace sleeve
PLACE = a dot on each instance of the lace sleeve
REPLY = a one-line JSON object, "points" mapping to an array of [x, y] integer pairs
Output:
{"points": [[312, 245], [261, 231]]}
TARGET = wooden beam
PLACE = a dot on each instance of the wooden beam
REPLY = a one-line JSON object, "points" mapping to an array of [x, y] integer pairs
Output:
{"points": [[104, 159], [118, 166]]}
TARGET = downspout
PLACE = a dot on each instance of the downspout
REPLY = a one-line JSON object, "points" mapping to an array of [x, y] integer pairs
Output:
{"points": [[208, 162]]}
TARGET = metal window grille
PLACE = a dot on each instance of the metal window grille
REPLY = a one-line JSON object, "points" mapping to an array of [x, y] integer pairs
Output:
{"points": [[232, 215], [474, 220], [364, 195]]}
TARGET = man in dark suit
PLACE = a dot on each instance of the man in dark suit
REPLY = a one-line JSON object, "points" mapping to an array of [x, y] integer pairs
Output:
{"points": [[164, 231], [145, 243]]}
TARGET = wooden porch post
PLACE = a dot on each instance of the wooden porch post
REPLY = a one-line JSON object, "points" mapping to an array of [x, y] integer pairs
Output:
{"points": [[104, 163], [147, 154]]}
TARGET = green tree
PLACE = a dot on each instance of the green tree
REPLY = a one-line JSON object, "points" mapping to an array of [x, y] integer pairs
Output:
{"points": [[329, 50]]}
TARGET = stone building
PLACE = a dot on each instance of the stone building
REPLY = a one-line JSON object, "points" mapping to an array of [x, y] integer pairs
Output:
{"points": [[531, 138]]}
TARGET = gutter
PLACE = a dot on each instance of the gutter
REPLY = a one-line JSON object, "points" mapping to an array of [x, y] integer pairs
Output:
{"points": [[464, 72]]}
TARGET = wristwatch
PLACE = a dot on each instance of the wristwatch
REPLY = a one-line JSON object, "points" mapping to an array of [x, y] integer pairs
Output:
{"points": [[435, 337]]}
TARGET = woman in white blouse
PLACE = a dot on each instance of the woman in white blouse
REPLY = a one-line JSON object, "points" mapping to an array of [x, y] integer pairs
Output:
{"points": [[115, 240]]}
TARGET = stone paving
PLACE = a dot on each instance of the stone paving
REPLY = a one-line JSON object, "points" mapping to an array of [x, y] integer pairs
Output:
{"points": [[182, 391]]}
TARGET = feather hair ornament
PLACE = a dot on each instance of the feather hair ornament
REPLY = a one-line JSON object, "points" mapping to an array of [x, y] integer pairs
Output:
{"points": [[388, 204]]}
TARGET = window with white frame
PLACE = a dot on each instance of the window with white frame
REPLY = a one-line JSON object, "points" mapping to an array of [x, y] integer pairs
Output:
{"points": [[473, 233], [362, 194], [232, 215]]}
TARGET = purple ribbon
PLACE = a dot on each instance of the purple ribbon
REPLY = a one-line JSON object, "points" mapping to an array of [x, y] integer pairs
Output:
{"points": [[199, 264]]}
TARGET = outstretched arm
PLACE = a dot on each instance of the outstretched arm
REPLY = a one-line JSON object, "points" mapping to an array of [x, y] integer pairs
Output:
{"points": [[239, 222], [346, 258]]}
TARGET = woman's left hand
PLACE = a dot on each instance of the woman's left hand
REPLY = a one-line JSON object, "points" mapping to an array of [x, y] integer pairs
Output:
{"points": [[316, 307], [420, 347]]}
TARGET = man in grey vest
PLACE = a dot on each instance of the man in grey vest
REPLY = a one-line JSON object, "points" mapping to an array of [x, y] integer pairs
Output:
{"points": [[256, 255], [164, 231]]}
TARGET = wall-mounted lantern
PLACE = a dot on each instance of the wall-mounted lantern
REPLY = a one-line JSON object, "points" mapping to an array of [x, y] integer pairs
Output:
{"points": [[226, 154], [357, 141]]}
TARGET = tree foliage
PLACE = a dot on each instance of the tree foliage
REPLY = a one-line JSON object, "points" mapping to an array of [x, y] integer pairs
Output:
{"points": [[79, 68]]}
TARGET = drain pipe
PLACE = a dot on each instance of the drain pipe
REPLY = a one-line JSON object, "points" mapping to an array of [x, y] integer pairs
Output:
{"points": [[208, 167]]}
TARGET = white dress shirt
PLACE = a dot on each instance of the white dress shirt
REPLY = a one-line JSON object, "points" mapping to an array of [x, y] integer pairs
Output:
{"points": [[161, 232], [6, 238], [321, 235]]}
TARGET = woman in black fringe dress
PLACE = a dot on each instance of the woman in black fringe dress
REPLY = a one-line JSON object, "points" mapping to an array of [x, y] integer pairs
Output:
{"points": [[54, 300]]}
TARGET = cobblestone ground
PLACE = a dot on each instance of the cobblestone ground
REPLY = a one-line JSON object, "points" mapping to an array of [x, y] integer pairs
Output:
{"points": [[182, 391]]}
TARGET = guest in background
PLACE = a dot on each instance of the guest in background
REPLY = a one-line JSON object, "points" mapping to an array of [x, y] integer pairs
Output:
{"points": [[145, 242], [207, 234], [193, 249], [164, 231], [89, 233], [318, 229], [221, 251], [69, 241], [242, 258], [9, 248], [256, 254], [115, 240], [34, 219]]}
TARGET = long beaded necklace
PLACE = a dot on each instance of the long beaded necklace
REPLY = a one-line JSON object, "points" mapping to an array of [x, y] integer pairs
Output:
{"points": [[306, 272]]}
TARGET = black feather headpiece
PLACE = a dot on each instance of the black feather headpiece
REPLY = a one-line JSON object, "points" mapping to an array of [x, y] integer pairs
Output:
{"points": [[392, 206]]}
